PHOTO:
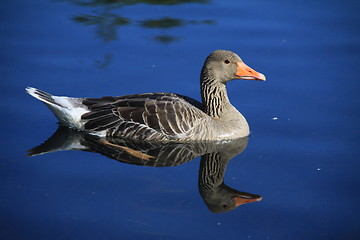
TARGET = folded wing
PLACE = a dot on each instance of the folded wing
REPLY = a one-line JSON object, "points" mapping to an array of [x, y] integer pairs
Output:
{"points": [[144, 116]]}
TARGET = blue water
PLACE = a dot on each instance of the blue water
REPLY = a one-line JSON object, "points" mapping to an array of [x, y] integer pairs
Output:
{"points": [[302, 156]]}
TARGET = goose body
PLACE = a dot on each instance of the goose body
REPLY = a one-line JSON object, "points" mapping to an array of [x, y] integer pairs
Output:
{"points": [[162, 116]]}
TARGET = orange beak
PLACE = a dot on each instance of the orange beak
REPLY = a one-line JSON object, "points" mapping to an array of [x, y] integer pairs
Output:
{"points": [[240, 201], [247, 73]]}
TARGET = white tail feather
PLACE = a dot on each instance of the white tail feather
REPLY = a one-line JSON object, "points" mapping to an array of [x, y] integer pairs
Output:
{"points": [[67, 110]]}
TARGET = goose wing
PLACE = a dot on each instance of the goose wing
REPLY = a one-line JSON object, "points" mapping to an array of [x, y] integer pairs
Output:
{"points": [[142, 115]]}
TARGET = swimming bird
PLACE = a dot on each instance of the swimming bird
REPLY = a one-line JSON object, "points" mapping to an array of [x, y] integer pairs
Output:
{"points": [[162, 116]]}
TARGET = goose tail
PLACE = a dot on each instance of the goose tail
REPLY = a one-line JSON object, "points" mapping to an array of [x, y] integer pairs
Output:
{"points": [[66, 109]]}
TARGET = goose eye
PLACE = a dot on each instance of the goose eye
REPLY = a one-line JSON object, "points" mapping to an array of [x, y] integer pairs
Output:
{"points": [[226, 61]]}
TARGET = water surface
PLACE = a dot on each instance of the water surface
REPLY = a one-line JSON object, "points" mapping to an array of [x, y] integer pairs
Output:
{"points": [[302, 155]]}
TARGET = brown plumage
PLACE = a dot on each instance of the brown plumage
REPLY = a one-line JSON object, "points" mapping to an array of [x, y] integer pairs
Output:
{"points": [[156, 116], [163, 116]]}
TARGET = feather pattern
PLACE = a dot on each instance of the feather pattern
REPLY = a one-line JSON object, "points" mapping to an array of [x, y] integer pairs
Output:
{"points": [[156, 116]]}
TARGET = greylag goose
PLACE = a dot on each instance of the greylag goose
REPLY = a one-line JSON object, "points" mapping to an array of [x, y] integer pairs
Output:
{"points": [[162, 116]]}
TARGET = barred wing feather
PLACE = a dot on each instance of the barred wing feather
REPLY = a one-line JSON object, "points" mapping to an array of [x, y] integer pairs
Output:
{"points": [[144, 116]]}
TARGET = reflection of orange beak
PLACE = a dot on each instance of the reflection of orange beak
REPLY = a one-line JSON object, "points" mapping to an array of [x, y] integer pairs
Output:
{"points": [[239, 200], [245, 72]]}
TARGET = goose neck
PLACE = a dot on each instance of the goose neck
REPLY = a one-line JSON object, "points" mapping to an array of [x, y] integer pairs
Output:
{"points": [[214, 96]]}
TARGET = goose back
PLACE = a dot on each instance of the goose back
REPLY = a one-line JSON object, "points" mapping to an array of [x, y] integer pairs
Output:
{"points": [[148, 116]]}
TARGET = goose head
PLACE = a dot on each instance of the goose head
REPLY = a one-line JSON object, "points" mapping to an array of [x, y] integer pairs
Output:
{"points": [[224, 66]]}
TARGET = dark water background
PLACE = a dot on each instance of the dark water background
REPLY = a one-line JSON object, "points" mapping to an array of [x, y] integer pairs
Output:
{"points": [[302, 157]]}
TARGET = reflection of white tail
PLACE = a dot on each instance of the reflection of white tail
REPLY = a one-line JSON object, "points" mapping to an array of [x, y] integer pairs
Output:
{"points": [[67, 110], [63, 139]]}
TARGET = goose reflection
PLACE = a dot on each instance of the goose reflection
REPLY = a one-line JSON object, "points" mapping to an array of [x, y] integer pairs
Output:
{"points": [[214, 158]]}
